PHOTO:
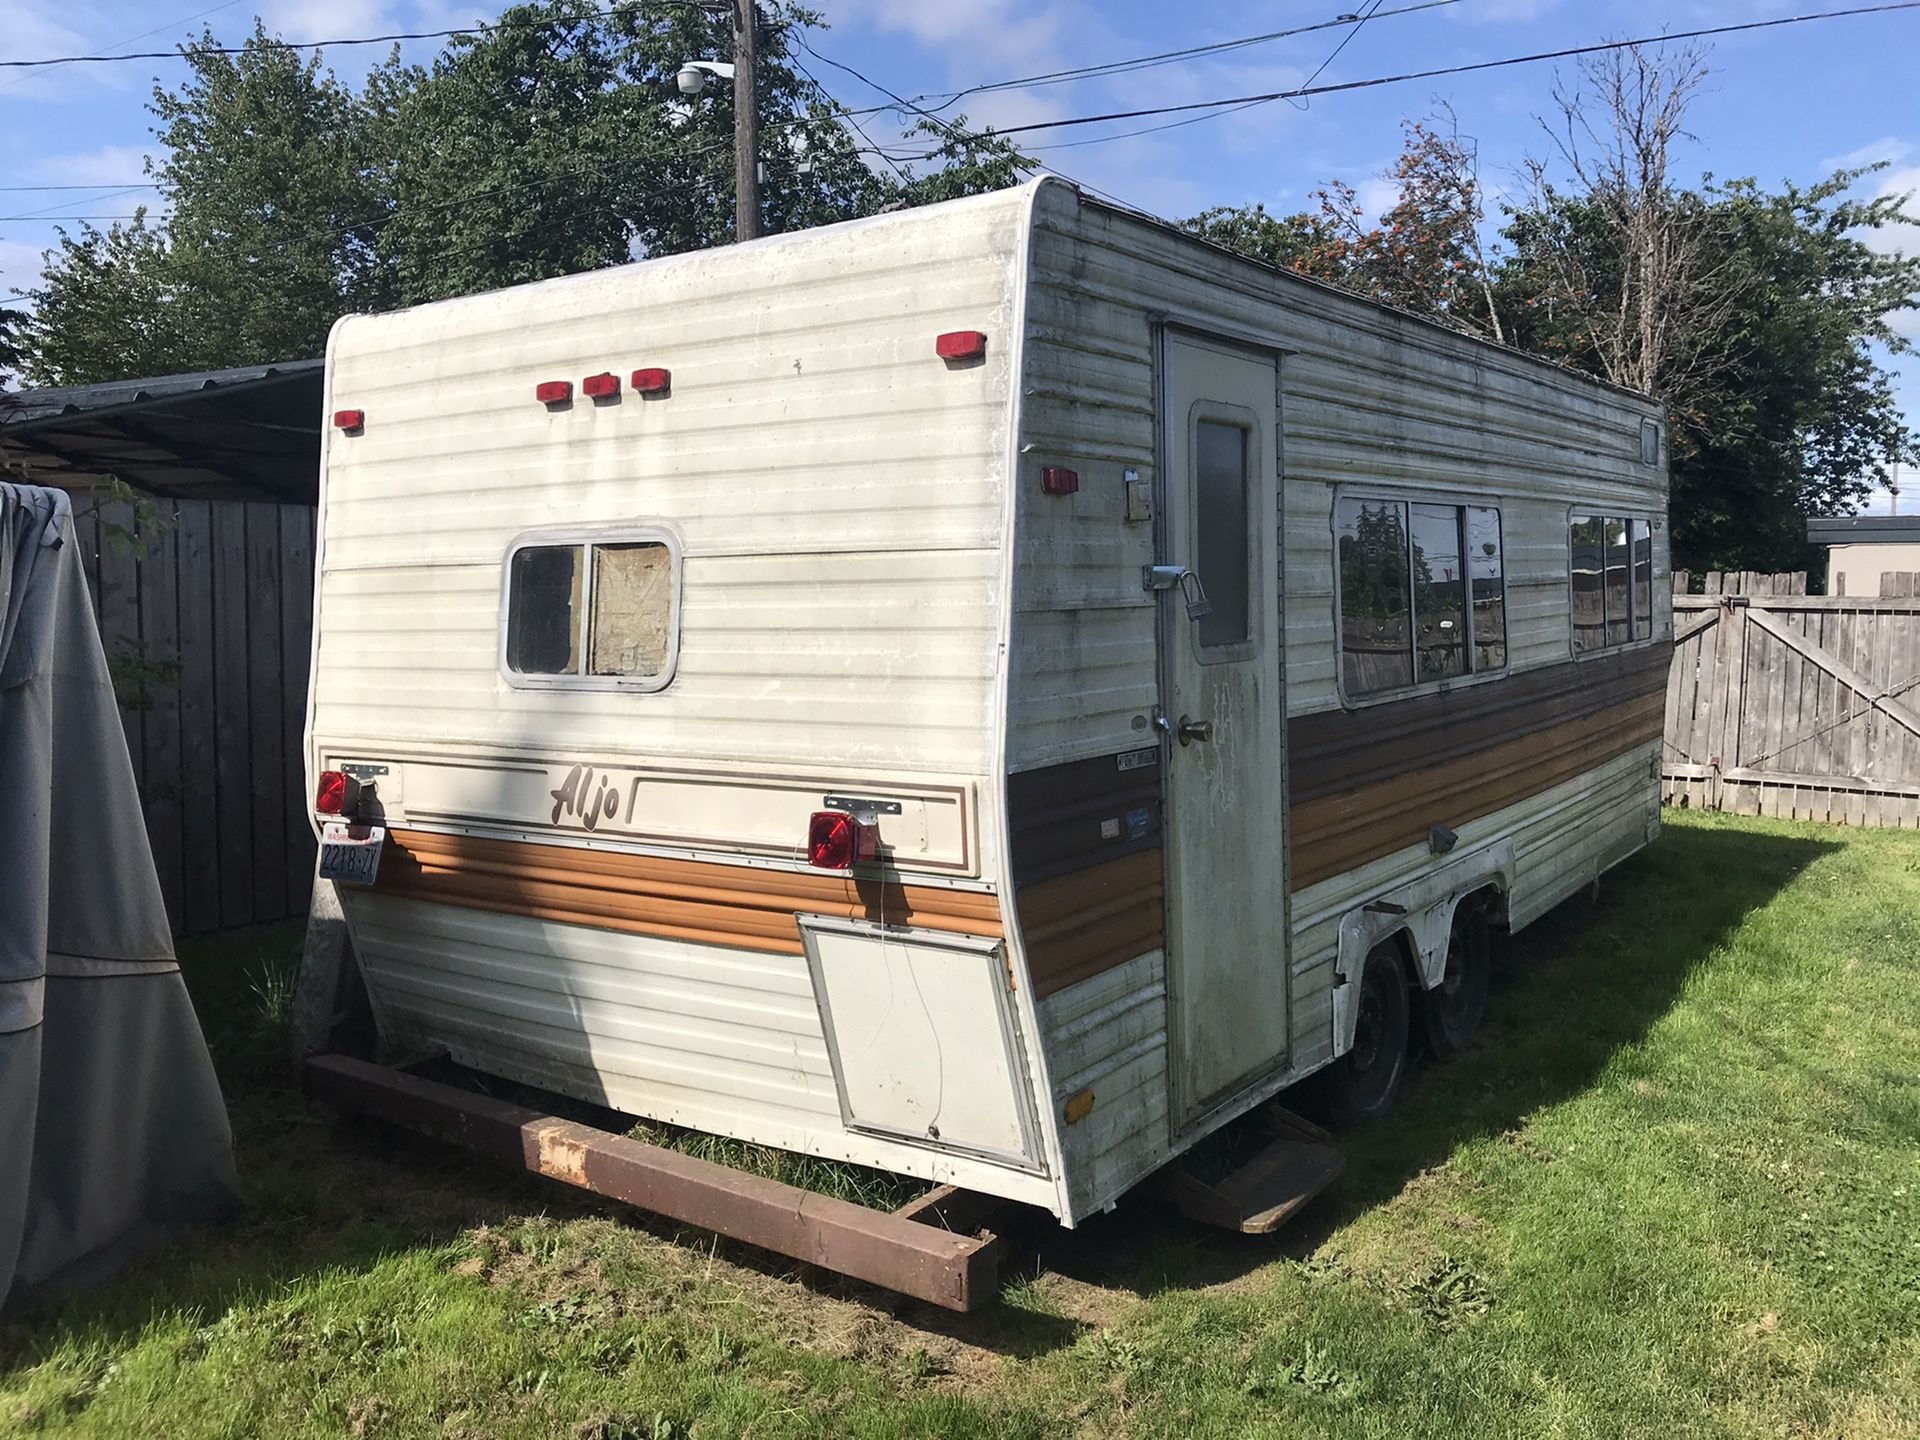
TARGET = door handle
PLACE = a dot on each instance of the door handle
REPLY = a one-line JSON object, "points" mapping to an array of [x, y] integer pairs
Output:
{"points": [[1191, 730]]}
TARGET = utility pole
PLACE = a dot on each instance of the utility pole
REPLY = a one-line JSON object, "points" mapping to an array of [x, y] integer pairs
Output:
{"points": [[746, 124]]}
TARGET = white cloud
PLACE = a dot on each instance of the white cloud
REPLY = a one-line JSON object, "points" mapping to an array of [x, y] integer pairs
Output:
{"points": [[302, 20], [19, 267], [110, 165], [1887, 148]]}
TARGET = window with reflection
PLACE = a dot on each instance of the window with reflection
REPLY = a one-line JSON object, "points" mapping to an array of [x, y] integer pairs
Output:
{"points": [[1487, 579], [1642, 536], [1611, 559], [1589, 542], [1422, 593]]}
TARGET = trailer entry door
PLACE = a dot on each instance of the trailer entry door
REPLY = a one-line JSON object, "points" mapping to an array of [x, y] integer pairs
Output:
{"points": [[1225, 719]]}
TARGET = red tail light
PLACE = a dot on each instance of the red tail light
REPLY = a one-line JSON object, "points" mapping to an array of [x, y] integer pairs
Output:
{"points": [[601, 386], [553, 392], [960, 345], [652, 381], [837, 841], [349, 419], [338, 794]]}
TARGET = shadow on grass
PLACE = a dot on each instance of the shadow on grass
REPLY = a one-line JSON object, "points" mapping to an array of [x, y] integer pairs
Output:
{"points": [[1570, 991], [320, 1195]]}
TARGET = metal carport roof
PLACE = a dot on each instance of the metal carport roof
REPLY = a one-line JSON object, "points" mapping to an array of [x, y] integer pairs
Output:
{"points": [[249, 433]]}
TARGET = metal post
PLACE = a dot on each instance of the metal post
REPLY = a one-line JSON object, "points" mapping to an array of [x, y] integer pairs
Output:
{"points": [[746, 125]]}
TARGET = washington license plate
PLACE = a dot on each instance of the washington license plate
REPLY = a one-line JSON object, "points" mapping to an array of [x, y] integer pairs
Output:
{"points": [[351, 852]]}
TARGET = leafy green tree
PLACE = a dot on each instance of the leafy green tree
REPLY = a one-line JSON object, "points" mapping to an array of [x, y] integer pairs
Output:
{"points": [[266, 168], [555, 141], [1756, 317], [1424, 255], [108, 308], [10, 323]]}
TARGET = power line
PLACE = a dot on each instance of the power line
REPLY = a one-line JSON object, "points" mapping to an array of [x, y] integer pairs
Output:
{"points": [[118, 186], [1319, 70], [948, 128], [1168, 57], [393, 38], [1511, 60], [170, 25]]}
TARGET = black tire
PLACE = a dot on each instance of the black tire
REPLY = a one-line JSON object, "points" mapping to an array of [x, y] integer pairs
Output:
{"points": [[1451, 1012], [1364, 1084]]}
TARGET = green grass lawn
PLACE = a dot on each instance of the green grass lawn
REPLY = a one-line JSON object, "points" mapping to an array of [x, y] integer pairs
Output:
{"points": [[1673, 1190]]}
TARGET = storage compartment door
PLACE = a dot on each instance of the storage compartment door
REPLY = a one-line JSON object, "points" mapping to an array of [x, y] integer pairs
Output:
{"points": [[922, 1037]]}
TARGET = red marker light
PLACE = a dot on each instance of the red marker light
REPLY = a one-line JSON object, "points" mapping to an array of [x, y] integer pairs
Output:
{"points": [[349, 419], [961, 345], [338, 793], [1057, 480], [652, 381], [837, 841], [553, 392], [599, 387]]}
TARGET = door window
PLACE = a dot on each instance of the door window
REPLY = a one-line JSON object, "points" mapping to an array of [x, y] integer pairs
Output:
{"points": [[1221, 526]]}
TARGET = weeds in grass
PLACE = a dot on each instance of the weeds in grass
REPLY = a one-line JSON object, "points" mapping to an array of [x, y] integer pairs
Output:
{"points": [[1443, 1292], [875, 1189]]}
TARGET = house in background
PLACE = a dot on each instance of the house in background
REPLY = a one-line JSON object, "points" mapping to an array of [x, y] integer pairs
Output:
{"points": [[1862, 548]]}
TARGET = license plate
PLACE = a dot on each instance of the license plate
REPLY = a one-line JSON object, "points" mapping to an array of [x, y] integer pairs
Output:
{"points": [[351, 852]]}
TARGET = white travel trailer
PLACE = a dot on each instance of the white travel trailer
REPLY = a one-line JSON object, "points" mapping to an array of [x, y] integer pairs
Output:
{"points": [[990, 692]]}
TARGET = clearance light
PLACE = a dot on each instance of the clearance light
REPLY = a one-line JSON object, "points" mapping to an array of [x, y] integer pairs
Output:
{"points": [[601, 386], [652, 381], [838, 841], [339, 793], [1057, 480], [553, 392], [961, 345], [349, 419]]}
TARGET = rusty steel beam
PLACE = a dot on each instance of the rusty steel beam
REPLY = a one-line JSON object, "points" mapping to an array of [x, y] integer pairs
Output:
{"points": [[897, 1252]]}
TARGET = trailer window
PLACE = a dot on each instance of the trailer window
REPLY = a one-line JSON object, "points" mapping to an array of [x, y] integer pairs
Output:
{"points": [[1376, 632], [1439, 594], [1422, 593], [543, 610], [1486, 570], [1642, 580], [591, 613], [1611, 559]]}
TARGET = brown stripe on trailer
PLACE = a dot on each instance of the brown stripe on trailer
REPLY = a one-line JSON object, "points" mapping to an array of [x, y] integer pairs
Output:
{"points": [[1337, 833], [1083, 924], [1333, 751], [713, 902], [1069, 817], [916, 1257], [1090, 888]]}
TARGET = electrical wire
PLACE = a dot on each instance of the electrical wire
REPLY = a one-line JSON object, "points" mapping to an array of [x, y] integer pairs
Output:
{"points": [[1169, 57], [393, 37], [1567, 53]]}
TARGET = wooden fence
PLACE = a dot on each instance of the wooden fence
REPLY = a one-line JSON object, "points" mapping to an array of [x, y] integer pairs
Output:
{"points": [[206, 616], [1782, 703]]}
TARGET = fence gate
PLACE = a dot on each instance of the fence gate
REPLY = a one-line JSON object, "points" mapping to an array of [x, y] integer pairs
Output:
{"points": [[1782, 703]]}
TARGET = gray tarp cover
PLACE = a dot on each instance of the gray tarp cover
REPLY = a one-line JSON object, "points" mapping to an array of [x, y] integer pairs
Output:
{"points": [[112, 1129]]}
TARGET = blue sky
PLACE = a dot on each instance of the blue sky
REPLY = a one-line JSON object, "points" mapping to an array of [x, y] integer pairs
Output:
{"points": [[1783, 104]]}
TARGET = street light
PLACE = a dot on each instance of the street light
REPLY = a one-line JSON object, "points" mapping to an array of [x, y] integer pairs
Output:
{"points": [[691, 78]]}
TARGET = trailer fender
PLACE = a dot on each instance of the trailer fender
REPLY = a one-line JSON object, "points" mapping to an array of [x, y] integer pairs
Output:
{"points": [[1422, 910]]}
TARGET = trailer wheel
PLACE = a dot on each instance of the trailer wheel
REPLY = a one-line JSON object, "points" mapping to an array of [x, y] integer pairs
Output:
{"points": [[1364, 1083], [1451, 1012]]}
